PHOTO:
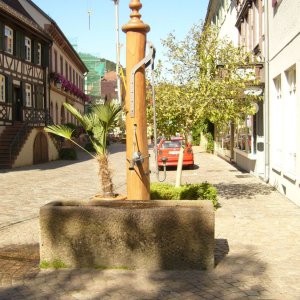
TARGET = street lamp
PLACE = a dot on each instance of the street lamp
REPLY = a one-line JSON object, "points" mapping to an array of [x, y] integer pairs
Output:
{"points": [[116, 2]]}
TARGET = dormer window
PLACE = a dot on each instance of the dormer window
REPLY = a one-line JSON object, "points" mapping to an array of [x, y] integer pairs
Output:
{"points": [[27, 49]]}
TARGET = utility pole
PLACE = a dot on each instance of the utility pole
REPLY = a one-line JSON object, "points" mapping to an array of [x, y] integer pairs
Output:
{"points": [[116, 2], [138, 177]]}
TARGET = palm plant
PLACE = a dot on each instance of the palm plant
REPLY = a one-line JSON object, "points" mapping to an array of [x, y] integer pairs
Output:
{"points": [[96, 124]]}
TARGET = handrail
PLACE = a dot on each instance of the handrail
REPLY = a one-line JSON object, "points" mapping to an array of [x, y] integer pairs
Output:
{"points": [[34, 117]]}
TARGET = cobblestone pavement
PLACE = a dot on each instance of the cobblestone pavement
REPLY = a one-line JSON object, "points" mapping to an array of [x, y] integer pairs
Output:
{"points": [[257, 237]]}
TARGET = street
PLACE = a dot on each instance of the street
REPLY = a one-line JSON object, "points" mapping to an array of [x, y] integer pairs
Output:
{"points": [[257, 237]]}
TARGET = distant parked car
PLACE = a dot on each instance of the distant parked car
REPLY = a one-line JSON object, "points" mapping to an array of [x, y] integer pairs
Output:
{"points": [[169, 149]]}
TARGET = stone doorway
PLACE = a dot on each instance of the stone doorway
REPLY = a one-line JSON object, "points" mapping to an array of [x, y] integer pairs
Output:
{"points": [[40, 149]]}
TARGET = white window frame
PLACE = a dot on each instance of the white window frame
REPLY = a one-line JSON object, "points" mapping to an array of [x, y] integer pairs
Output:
{"points": [[2, 88], [277, 125], [27, 49], [9, 40], [290, 124], [28, 95]]}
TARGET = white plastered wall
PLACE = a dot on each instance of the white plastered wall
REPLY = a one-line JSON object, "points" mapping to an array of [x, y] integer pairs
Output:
{"points": [[284, 54], [25, 157]]}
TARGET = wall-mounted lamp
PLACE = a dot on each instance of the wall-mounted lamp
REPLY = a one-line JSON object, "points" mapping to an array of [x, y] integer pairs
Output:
{"points": [[58, 83]]}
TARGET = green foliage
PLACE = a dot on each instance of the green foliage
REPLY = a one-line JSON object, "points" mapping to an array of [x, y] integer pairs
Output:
{"points": [[56, 264], [210, 142], [201, 191], [96, 124], [204, 78], [67, 154]]}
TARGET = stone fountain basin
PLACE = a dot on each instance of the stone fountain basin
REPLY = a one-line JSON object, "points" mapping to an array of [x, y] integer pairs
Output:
{"points": [[150, 235]]}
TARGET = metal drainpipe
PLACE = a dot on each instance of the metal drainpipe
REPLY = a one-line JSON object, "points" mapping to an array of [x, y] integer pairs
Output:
{"points": [[266, 96]]}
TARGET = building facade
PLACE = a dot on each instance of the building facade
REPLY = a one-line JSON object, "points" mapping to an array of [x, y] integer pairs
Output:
{"points": [[30, 98], [266, 144], [66, 69], [284, 99], [24, 96]]}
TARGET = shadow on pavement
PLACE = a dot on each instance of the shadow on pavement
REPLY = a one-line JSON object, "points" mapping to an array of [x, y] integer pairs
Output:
{"points": [[236, 276], [242, 191], [230, 282], [55, 164]]}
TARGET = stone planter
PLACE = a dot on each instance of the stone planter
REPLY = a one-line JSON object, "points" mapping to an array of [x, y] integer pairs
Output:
{"points": [[150, 235]]}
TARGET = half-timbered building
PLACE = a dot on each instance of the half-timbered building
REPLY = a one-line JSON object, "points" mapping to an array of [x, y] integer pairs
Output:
{"points": [[24, 96], [39, 71]]}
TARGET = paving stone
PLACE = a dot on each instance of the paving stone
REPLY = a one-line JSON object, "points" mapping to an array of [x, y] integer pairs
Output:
{"points": [[257, 237]]}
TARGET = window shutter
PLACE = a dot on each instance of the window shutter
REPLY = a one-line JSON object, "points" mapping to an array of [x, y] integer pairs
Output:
{"points": [[35, 52], [20, 45], [39, 96], [23, 93], [9, 89], [1, 36], [45, 55]]}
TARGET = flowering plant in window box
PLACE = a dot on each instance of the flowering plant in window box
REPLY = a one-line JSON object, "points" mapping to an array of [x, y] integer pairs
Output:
{"points": [[68, 86]]}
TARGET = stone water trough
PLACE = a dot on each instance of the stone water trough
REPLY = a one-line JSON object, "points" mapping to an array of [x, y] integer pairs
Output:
{"points": [[150, 235]]}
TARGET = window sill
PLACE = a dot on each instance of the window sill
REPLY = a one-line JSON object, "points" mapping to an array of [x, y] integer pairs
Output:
{"points": [[277, 169], [250, 156], [291, 177]]}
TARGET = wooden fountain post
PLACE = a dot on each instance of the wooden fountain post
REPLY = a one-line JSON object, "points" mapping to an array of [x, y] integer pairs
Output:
{"points": [[138, 179]]}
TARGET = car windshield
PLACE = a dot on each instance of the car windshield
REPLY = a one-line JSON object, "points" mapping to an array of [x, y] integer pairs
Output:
{"points": [[171, 144]]}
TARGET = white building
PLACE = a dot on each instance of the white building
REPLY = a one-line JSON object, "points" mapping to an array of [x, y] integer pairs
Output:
{"points": [[284, 98], [271, 30]]}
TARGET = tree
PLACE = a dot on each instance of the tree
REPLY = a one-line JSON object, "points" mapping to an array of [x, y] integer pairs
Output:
{"points": [[204, 78], [96, 125]]}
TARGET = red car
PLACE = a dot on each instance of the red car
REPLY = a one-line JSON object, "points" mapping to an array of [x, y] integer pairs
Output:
{"points": [[170, 149]]}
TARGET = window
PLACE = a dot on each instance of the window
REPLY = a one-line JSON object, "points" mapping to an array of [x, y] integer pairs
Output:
{"points": [[290, 123], [67, 70], [256, 24], [276, 127], [2, 88], [70, 72], [61, 65], [28, 95], [27, 49], [55, 61], [39, 54], [243, 138], [8, 40]]}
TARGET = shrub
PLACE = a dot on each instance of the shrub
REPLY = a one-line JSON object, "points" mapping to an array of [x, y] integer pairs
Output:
{"points": [[89, 147], [199, 191], [56, 264], [67, 154]]}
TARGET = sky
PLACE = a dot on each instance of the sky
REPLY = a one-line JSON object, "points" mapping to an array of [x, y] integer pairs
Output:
{"points": [[98, 37]]}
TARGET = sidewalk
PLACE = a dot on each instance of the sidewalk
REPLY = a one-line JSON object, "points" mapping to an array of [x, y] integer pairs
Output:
{"points": [[257, 237]]}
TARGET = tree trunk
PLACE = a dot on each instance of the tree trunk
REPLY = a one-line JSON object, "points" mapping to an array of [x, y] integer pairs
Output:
{"points": [[105, 176]]}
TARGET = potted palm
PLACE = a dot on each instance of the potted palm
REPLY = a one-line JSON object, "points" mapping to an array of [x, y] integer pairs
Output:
{"points": [[96, 125]]}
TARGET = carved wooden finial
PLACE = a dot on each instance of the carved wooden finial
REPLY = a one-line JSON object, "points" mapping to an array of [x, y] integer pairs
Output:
{"points": [[135, 23]]}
